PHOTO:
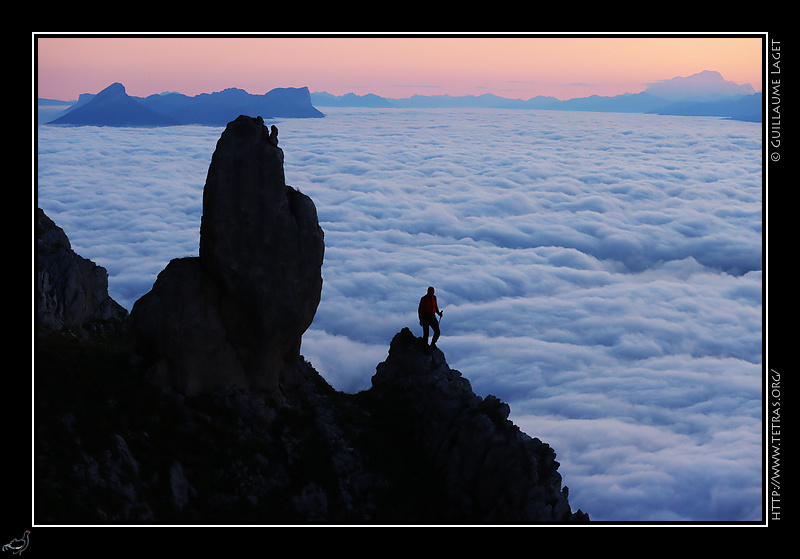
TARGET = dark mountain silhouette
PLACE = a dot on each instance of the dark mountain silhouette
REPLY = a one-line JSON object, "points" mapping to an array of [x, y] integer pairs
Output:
{"points": [[114, 107], [219, 108]]}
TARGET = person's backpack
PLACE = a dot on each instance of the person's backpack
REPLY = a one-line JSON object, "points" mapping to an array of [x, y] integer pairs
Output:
{"points": [[427, 305]]}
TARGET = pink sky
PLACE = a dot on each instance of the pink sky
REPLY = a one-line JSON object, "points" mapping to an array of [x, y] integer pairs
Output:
{"points": [[516, 67]]}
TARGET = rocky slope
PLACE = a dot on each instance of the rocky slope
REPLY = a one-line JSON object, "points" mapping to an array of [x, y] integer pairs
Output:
{"points": [[132, 427], [489, 470], [71, 291], [419, 447]]}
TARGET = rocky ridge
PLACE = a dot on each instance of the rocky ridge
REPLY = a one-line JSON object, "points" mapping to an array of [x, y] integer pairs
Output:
{"points": [[114, 107], [250, 433]]}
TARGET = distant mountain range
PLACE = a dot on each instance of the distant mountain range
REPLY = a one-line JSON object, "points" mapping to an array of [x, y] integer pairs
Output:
{"points": [[706, 93], [114, 107]]}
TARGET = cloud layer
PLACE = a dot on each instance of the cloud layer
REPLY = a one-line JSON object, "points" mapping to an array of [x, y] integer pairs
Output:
{"points": [[601, 273]]}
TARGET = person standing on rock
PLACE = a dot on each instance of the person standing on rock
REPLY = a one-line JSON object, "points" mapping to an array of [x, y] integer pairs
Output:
{"points": [[427, 311]]}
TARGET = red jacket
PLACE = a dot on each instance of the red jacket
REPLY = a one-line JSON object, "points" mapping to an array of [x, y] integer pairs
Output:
{"points": [[427, 305]]}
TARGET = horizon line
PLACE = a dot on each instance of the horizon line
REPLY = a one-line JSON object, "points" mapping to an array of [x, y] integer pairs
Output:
{"points": [[488, 93]]}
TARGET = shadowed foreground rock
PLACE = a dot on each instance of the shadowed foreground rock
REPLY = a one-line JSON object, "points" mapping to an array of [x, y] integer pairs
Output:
{"points": [[233, 317], [490, 470], [71, 291], [418, 448]]}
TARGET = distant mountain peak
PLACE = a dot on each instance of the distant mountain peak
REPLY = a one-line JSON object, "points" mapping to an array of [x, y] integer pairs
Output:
{"points": [[115, 88], [703, 86], [706, 74], [113, 107]]}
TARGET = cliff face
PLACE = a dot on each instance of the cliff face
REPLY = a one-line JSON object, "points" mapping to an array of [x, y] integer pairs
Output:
{"points": [[71, 291], [234, 316], [234, 427]]}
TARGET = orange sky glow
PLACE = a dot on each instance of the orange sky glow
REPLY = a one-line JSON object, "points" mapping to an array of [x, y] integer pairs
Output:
{"points": [[517, 67]]}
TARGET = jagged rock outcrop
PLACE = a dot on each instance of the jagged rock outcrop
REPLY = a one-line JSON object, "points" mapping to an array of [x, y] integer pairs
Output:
{"points": [[491, 471], [233, 317], [71, 291]]}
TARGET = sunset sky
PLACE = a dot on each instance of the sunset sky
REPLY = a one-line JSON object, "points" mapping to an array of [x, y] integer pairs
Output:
{"points": [[515, 67]]}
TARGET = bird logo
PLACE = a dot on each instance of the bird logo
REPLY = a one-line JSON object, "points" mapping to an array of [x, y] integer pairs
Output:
{"points": [[17, 546]]}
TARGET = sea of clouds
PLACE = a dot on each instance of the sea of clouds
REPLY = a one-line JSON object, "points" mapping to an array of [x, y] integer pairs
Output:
{"points": [[601, 273]]}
